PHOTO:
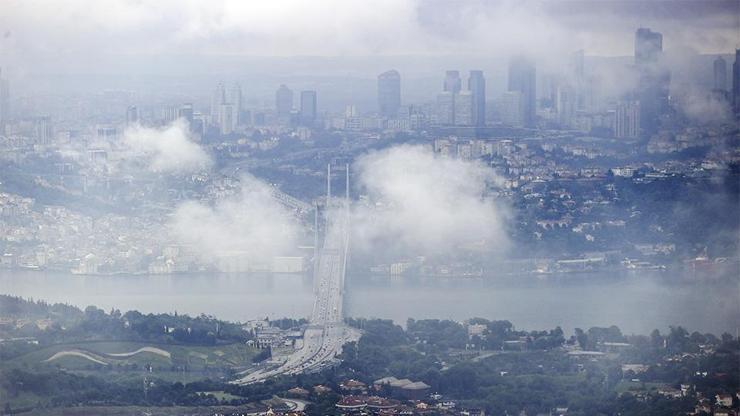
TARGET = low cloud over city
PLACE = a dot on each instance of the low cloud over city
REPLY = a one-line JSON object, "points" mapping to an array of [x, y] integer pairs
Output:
{"points": [[370, 208], [168, 149], [422, 203], [249, 226]]}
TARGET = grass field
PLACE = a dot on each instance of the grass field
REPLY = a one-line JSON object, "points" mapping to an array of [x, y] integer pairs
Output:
{"points": [[130, 361], [122, 360]]}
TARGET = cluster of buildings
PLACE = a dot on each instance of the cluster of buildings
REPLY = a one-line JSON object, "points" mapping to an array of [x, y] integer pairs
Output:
{"points": [[387, 396], [57, 238], [575, 99], [529, 136], [573, 199], [35, 236]]}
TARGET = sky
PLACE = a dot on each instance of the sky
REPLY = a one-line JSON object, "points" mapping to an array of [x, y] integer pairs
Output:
{"points": [[188, 46], [52, 29]]}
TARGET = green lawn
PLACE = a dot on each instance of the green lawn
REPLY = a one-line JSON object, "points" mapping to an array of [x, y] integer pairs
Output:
{"points": [[182, 363]]}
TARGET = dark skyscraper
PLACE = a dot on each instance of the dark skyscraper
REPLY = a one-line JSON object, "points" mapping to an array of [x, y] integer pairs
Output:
{"points": [[720, 74], [284, 101], [523, 78], [389, 93], [308, 107], [654, 81], [186, 113], [452, 83], [477, 88], [132, 115], [648, 46], [736, 83]]}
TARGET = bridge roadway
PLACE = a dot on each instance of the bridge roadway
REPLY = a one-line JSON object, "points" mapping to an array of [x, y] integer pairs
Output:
{"points": [[326, 333]]}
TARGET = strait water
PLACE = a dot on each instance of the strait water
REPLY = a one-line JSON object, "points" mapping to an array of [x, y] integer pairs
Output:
{"points": [[637, 303]]}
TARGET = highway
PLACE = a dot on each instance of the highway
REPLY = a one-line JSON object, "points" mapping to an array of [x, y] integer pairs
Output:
{"points": [[326, 333]]}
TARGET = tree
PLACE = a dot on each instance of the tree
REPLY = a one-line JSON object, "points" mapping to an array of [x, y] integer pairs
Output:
{"points": [[656, 340], [582, 339]]}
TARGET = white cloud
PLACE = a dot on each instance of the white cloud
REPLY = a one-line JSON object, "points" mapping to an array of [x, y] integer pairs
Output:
{"points": [[701, 107], [252, 224], [426, 203], [341, 28], [167, 150]]}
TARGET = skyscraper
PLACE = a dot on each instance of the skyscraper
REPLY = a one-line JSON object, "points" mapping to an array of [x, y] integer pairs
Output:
{"points": [[283, 101], [225, 108], [736, 83], [227, 118], [186, 113], [720, 74], [452, 82], [522, 78], [654, 81], [217, 99], [4, 102], [446, 108], [234, 98], [132, 115], [648, 46], [510, 108], [627, 120], [308, 108], [565, 104], [578, 72], [389, 93], [464, 109], [477, 88]]}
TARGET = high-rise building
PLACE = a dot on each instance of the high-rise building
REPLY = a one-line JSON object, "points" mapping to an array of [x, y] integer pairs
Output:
{"points": [[736, 83], [4, 102], [217, 99], [228, 118], [523, 78], [308, 108], [132, 115], [186, 113], [452, 83], [565, 104], [464, 109], [446, 108], [648, 46], [578, 73], [389, 93], [511, 108], [720, 74], [654, 81], [170, 113], [234, 98], [226, 108], [477, 88], [284, 101], [627, 120]]}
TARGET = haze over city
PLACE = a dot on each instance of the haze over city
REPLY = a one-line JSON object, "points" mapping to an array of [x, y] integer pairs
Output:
{"points": [[352, 208]]}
